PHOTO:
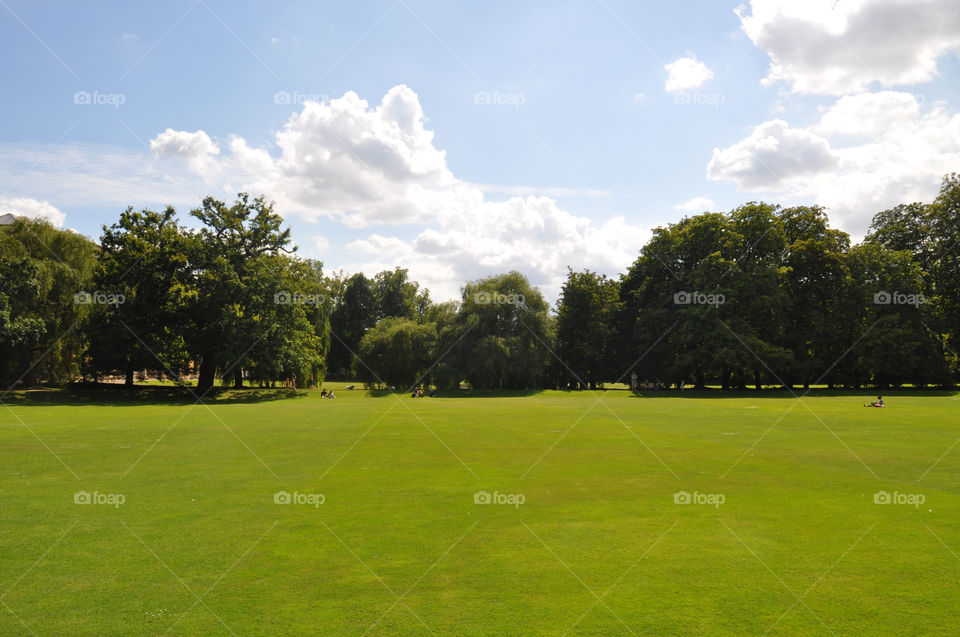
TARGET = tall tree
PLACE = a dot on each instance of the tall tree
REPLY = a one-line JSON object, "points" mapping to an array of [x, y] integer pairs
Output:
{"points": [[585, 314], [397, 351], [143, 259], [41, 270], [815, 262], [396, 297], [228, 253], [354, 314], [505, 337], [944, 268]]}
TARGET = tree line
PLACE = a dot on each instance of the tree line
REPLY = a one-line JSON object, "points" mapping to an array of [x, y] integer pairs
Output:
{"points": [[760, 295]]}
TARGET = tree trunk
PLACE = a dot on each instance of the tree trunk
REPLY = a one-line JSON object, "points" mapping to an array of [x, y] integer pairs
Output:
{"points": [[700, 384], [238, 379], [756, 378], [128, 381], [208, 367]]}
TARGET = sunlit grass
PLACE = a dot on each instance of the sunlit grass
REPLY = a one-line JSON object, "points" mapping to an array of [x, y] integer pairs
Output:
{"points": [[398, 545]]}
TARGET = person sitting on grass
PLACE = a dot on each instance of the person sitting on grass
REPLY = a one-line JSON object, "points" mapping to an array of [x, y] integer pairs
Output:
{"points": [[877, 403], [323, 393], [330, 395]]}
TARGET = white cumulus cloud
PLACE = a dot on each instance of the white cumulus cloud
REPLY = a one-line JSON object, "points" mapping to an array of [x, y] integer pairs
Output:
{"points": [[773, 154], [866, 153], [375, 166], [686, 73], [834, 48], [196, 149], [697, 204], [27, 207]]}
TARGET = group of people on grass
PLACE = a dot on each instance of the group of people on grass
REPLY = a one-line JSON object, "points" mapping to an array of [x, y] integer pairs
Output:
{"points": [[290, 382], [646, 385], [419, 393]]}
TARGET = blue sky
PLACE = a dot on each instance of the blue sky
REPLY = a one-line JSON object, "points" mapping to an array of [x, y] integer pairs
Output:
{"points": [[543, 134]]}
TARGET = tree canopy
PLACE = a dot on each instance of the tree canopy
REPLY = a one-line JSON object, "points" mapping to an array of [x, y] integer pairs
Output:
{"points": [[760, 295]]}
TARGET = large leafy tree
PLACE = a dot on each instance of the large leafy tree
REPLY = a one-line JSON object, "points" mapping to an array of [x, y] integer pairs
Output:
{"points": [[41, 270], [897, 346], [354, 313], [396, 296], [504, 337], [285, 321], [232, 308], [143, 262], [756, 302], [815, 263], [396, 351], [944, 266], [585, 321]]}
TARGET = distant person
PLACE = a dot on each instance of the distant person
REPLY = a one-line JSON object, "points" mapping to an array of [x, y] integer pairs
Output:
{"points": [[310, 384], [323, 394], [877, 403], [330, 395]]}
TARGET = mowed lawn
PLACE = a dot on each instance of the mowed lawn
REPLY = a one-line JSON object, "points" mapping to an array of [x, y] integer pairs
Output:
{"points": [[583, 536]]}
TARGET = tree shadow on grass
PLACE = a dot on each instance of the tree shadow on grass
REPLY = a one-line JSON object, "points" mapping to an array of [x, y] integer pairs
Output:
{"points": [[783, 393], [461, 393], [109, 394]]}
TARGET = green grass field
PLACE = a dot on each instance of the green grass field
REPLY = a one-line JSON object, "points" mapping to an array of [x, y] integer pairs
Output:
{"points": [[587, 538]]}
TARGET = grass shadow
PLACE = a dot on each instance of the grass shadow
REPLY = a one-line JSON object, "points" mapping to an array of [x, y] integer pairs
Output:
{"points": [[783, 393], [106, 394]]}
